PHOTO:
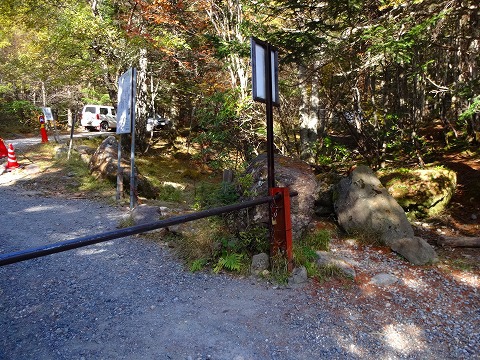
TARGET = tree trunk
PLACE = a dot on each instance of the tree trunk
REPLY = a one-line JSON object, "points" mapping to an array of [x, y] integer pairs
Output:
{"points": [[227, 19], [462, 241], [141, 108], [308, 120]]}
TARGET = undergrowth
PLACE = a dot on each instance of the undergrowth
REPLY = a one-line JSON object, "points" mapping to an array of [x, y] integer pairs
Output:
{"points": [[304, 254]]}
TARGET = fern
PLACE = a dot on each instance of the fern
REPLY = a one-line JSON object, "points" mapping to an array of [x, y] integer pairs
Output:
{"points": [[232, 262], [197, 265]]}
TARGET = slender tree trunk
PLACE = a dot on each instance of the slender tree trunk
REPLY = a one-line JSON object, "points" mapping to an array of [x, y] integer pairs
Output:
{"points": [[227, 18], [308, 121], [141, 109]]}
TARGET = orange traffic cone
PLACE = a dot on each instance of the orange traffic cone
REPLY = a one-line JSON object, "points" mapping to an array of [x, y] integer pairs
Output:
{"points": [[3, 149], [12, 159]]}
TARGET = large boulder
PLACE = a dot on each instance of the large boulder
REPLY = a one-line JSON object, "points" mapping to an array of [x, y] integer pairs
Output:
{"points": [[422, 192], [364, 207], [104, 164], [294, 174]]}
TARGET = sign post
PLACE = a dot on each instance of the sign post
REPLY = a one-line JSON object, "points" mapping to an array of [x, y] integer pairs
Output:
{"points": [[126, 125], [48, 116], [265, 89]]}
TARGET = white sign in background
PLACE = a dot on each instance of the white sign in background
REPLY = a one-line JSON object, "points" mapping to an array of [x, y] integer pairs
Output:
{"points": [[47, 113], [125, 108]]}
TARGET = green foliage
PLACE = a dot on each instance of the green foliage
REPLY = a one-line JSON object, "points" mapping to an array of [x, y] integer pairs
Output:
{"points": [[170, 193], [279, 268], [332, 152], [85, 181], [254, 240], [22, 111], [227, 136], [474, 108], [92, 96], [209, 195], [398, 40], [198, 265], [304, 254], [245, 183], [232, 262], [304, 251]]}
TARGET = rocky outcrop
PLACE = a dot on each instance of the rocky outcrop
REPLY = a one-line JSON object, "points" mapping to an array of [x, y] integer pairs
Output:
{"points": [[103, 163], [364, 207], [422, 192], [291, 173]]}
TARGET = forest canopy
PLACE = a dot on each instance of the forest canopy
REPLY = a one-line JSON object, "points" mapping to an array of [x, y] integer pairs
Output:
{"points": [[381, 76]]}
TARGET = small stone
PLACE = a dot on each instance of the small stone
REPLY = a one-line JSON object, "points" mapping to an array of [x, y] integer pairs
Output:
{"points": [[383, 279], [260, 263], [298, 276]]}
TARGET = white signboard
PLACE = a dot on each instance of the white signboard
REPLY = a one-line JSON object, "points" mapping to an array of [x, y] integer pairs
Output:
{"points": [[126, 101], [260, 53], [47, 113]]}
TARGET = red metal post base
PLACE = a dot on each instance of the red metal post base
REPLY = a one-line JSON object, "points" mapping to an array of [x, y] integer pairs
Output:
{"points": [[43, 132], [282, 226]]}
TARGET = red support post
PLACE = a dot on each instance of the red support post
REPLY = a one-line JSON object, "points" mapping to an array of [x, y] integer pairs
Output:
{"points": [[282, 225], [43, 132]]}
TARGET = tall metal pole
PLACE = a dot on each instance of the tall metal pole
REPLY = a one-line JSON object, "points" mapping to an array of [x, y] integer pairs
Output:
{"points": [[269, 112], [133, 200]]}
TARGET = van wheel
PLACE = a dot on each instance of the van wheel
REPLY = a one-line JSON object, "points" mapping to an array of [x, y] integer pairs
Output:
{"points": [[103, 126]]}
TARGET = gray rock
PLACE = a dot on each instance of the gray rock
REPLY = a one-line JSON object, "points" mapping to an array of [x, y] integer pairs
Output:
{"points": [[326, 259], [415, 249], [298, 276], [84, 149], [364, 207], [260, 262], [383, 279], [144, 214]]}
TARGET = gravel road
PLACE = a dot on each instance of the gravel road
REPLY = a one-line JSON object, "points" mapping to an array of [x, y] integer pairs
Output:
{"points": [[130, 299]]}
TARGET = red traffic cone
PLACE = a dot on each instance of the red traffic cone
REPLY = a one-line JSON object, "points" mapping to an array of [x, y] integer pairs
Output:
{"points": [[3, 149], [12, 159]]}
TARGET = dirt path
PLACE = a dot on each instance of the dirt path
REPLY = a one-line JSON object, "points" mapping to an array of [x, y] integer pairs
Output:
{"points": [[130, 299], [464, 208]]}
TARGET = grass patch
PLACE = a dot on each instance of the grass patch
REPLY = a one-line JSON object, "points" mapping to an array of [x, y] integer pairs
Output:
{"points": [[279, 269], [126, 222], [305, 254], [462, 265], [170, 193]]}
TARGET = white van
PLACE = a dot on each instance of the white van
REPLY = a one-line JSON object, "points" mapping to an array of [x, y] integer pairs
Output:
{"points": [[99, 117]]}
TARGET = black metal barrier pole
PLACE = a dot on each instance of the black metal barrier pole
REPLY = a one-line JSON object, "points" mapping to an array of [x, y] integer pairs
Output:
{"points": [[11, 258]]}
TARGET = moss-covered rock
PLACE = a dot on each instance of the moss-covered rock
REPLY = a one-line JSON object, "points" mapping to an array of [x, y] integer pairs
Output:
{"points": [[422, 192]]}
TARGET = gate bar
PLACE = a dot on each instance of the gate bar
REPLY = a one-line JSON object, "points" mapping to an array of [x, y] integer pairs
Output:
{"points": [[32, 253]]}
